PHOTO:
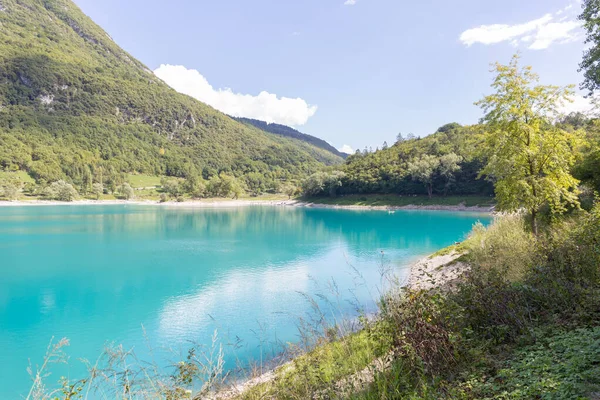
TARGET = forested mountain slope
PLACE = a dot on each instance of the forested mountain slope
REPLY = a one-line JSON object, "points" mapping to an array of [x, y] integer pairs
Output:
{"points": [[72, 101], [286, 131], [445, 162]]}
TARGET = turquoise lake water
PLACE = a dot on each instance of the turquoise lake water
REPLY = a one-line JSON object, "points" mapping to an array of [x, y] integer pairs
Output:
{"points": [[97, 274]]}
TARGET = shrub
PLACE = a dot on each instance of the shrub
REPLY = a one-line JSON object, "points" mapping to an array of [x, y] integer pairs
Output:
{"points": [[10, 191], [422, 331], [223, 186], [126, 191], [323, 183], [568, 282], [61, 191], [505, 247], [171, 186], [194, 186]]}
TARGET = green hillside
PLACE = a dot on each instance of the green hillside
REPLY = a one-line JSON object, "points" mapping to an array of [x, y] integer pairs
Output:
{"points": [[72, 102], [446, 163]]}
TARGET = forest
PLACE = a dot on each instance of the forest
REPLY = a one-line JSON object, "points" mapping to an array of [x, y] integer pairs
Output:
{"points": [[447, 162]]}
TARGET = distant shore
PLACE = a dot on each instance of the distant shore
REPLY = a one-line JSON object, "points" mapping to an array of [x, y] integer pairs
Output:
{"points": [[225, 203]]}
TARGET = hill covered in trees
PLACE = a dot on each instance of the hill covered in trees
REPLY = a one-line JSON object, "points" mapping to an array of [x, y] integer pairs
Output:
{"points": [[447, 162], [286, 131], [73, 104]]}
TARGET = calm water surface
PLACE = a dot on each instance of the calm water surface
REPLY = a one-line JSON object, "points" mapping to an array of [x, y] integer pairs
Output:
{"points": [[97, 274]]}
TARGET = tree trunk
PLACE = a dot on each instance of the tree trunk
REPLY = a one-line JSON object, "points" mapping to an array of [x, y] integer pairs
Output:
{"points": [[534, 224], [430, 190]]}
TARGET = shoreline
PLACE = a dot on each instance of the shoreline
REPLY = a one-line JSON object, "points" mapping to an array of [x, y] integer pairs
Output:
{"points": [[224, 203], [429, 272]]}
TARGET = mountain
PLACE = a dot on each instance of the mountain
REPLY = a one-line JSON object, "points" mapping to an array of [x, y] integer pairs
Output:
{"points": [[72, 101], [286, 131]]}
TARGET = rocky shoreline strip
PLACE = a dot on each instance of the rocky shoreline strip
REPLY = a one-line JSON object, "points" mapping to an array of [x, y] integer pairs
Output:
{"points": [[244, 203]]}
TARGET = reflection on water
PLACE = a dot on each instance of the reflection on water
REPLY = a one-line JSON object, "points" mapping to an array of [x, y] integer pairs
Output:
{"points": [[99, 273]]}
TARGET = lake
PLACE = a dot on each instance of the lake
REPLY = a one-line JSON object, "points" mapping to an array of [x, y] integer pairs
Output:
{"points": [[160, 277]]}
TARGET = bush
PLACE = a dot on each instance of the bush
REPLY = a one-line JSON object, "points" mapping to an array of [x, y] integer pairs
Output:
{"points": [[194, 186], [126, 191], [61, 191], [223, 186], [422, 331], [323, 183], [10, 191], [567, 284], [505, 247], [171, 186]]}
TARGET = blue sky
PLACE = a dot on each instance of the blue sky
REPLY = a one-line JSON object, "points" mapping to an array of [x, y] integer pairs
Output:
{"points": [[353, 72]]}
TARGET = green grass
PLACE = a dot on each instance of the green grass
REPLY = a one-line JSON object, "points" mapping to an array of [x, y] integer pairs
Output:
{"points": [[323, 366], [399, 201], [454, 248], [143, 181], [20, 175]]}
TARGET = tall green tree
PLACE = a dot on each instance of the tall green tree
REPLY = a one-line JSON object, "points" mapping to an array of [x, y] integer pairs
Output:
{"points": [[590, 65], [529, 157], [424, 170], [449, 166]]}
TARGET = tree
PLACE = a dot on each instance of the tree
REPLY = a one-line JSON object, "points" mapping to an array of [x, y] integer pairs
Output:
{"points": [[449, 127], [290, 190], [224, 185], [256, 183], [171, 186], [384, 146], [332, 182], [449, 166], [423, 170], [113, 179], [314, 184], [86, 179], [10, 190], [529, 157], [195, 186], [97, 190], [126, 191], [61, 190], [590, 65]]}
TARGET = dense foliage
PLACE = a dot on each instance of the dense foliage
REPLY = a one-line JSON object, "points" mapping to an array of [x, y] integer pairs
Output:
{"points": [[74, 106], [447, 162], [590, 64], [529, 157]]}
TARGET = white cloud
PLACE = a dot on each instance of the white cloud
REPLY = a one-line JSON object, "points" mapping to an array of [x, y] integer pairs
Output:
{"points": [[346, 149], [539, 33], [265, 106], [491, 34], [560, 32], [350, 2], [579, 104]]}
